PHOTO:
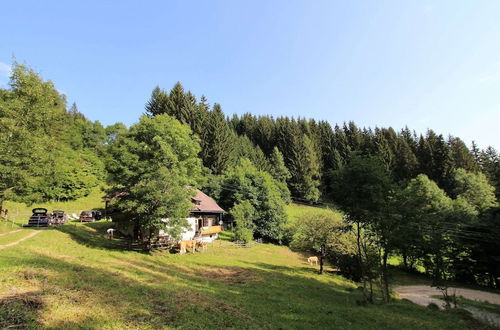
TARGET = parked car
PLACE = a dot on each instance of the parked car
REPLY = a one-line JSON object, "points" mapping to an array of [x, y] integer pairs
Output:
{"points": [[97, 215], [87, 216], [90, 216], [59, 217], [40, 218]]}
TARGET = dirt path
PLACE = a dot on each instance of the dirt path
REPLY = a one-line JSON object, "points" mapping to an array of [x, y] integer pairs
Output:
{"points": [[10, 232], [422, 295], [19, 240]]}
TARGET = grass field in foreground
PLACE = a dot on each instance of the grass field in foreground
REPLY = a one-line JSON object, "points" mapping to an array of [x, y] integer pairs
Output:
{"points": [[73, 277]]}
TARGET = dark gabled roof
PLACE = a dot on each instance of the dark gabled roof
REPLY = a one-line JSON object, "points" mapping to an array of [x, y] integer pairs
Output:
{"points": [[203, 203]]}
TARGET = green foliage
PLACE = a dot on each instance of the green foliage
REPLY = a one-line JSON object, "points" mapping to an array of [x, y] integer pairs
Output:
{"points": [[280, 173], [243, 215], [362, 188], [150, 167], [301, 159], [489, 163], [428, 208], [218, 142], [436, 159], [158, 104], [245, 182], [278, 168], [326, 234], [451, 238], [45, 148], [246, 149], [475, 189], [461, 155], [70, 175]]}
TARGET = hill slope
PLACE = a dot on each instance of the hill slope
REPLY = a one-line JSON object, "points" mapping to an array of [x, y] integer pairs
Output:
{"points": [[74, 277]]}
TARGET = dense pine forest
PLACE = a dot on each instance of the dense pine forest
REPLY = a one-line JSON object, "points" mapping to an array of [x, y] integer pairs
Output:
{"points": [[427, 198]]}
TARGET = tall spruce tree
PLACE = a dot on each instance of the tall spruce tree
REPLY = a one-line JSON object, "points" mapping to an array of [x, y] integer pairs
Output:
{"points": [[158, 103], [435, 159], [219, 146], [462, 157]]}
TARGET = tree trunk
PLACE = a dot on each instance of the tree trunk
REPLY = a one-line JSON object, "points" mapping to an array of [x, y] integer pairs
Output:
{"points": [[322, 253], [370, 297], [149, 240], [360, 259], [405, 259], [385, 276]]}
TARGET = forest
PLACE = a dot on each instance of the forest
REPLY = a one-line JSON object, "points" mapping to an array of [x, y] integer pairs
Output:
{"points": [[427, 198]]}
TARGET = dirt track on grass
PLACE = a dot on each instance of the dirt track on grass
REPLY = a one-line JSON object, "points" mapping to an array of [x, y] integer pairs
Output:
{"points": [[10, 232], [423, 295], [19, 240]]}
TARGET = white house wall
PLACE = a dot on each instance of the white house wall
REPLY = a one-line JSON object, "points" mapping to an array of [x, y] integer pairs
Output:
{"points": [[188, 233]]}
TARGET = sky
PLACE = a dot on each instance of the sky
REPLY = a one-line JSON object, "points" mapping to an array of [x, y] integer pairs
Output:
{"points": [[421, 64]]}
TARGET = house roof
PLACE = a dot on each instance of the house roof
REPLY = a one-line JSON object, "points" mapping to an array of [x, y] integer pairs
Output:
{"points": [[203, 203]]}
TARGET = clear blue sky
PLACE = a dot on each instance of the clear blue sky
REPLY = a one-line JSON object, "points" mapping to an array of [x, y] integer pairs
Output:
{"points": [[393, 63]]}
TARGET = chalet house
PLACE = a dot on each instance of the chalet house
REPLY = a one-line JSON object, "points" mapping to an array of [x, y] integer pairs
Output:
{"points": [[205, 219], [208, 215]]}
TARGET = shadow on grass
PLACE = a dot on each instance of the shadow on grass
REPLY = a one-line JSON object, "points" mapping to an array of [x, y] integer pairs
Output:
{"points": [[115, 297], [20, 309], [158, 292], [280, 296], [154, 291], [93, 234]]}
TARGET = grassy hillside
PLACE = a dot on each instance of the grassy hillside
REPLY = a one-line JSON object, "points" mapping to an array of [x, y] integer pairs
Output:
{"points": [[73, 277], [296, 211], [6, 226], [21, 211]]}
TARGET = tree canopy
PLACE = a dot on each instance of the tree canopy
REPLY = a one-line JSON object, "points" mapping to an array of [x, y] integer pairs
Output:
{"points": [[151, 169]]}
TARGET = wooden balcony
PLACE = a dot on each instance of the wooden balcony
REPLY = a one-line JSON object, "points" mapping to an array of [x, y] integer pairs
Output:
{"points": [[211, 230]]}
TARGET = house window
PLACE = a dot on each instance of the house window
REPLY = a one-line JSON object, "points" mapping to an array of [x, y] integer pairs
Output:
{"points": [[206, 222]]}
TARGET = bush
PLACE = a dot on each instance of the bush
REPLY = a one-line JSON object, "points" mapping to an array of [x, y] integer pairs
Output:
{"points": [[327, 234], [243, 214]]}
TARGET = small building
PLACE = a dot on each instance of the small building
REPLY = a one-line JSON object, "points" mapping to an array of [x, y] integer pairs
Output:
{"points": [[205, 219]]}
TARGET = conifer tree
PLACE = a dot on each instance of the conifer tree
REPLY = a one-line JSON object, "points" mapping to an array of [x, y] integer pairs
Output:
{"points": [[341, 144], [264, 134], [435, 159], [490, 165], [304, 168], [406, 163], [278, 168], [461, 155], [218, 151], [158, 103], [244, 148], [181, 104], [200, 117], [383, 149]]}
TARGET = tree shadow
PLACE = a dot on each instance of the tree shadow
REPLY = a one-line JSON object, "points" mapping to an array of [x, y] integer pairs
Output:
{"points": [[94, 235], [158, 292], [20, 309], [113, 295]]}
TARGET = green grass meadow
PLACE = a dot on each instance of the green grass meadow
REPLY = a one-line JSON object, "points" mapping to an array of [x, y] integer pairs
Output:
{"points": [[73, 277], [21, 211]]}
